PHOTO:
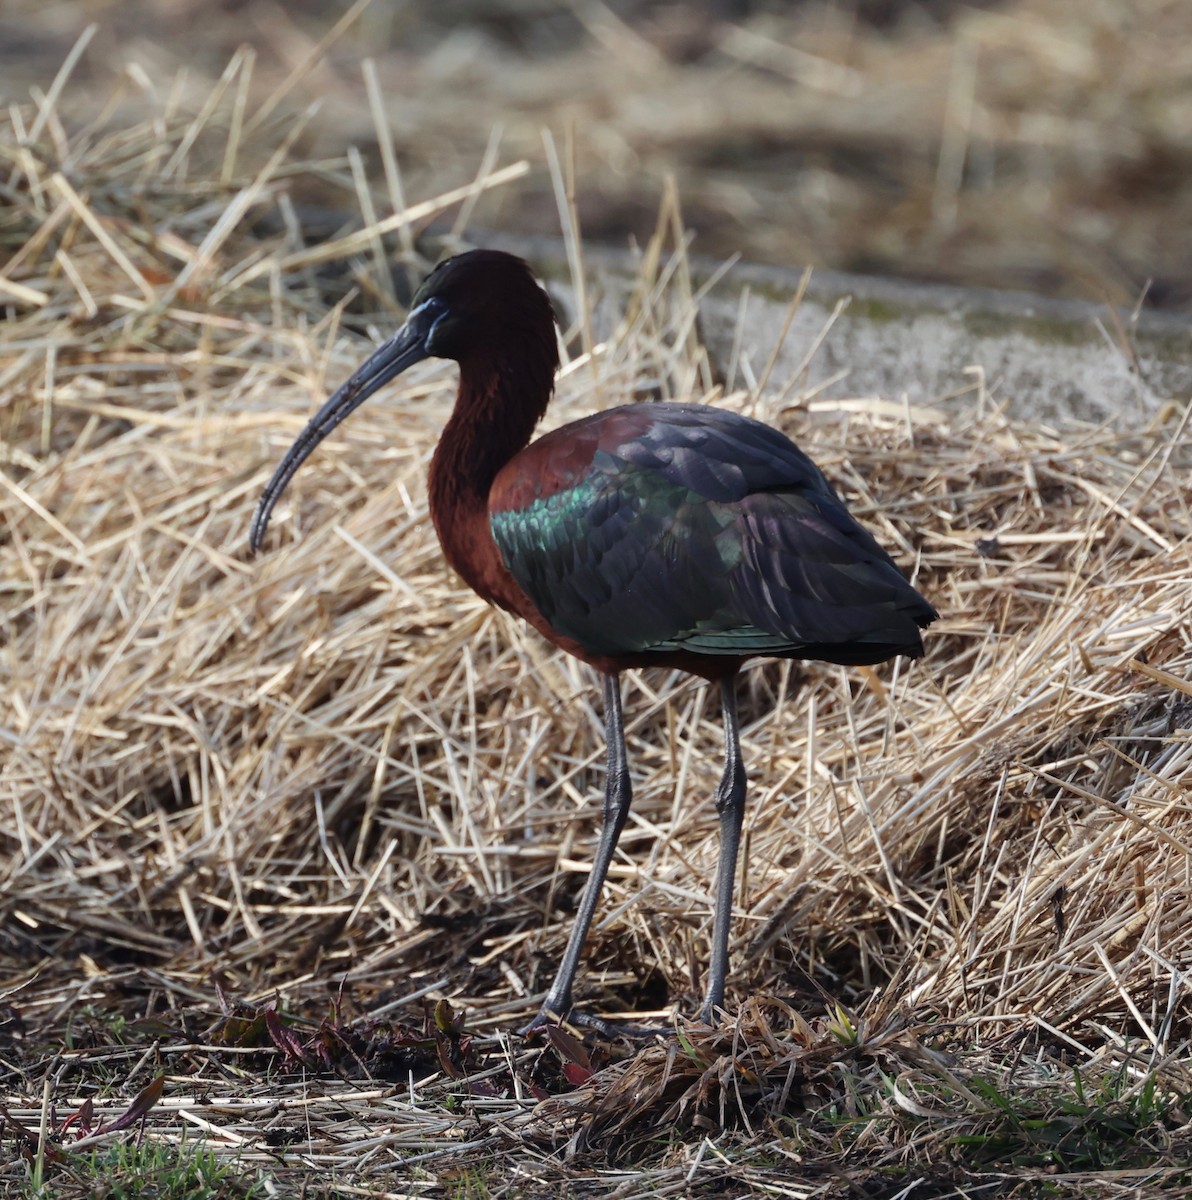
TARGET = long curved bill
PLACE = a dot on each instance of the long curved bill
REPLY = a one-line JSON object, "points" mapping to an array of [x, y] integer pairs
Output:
{"points": [[406, 347]]}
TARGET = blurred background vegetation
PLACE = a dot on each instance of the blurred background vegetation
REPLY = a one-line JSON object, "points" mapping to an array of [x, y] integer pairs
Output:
{"points": [[1022, 144]]}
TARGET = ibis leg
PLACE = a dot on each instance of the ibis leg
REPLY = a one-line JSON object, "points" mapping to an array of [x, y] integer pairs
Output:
{"points": [[730, 806], [618, 793]]}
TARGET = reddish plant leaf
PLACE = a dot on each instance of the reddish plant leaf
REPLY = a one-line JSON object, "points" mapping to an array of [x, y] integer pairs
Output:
{"points": [[21, 1132], [570, 1049], [82, 1117], [138, 1110], [284, 1038], [445, 1062]]}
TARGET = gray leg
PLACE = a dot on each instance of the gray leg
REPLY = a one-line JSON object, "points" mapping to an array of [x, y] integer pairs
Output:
{"points": [[618, 793], [730, 805]]}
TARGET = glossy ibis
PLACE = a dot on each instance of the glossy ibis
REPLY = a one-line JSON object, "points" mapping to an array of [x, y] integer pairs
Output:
{"points": [[652, 535]]}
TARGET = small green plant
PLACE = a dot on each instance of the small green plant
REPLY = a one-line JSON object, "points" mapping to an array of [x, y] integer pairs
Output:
{"points": [[145, 1171], [469, 1183], [844, 1028], [92, 1026], [1106, 1128]]}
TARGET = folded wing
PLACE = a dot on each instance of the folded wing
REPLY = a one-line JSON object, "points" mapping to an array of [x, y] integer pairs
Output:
{"points": [[661, 527]]}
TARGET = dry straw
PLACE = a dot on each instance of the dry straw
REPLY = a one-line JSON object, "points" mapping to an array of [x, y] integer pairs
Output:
{"points": [[335, 765]]}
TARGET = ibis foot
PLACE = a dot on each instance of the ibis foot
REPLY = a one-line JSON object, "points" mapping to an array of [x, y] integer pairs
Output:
{"points": [[582, 1019]]}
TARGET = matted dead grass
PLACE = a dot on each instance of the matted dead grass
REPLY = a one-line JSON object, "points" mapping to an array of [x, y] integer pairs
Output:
{"points": [[1010, 143], [332, 783]]}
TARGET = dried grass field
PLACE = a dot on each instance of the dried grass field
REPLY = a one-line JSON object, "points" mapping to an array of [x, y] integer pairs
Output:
{"points": [[290, 845]]}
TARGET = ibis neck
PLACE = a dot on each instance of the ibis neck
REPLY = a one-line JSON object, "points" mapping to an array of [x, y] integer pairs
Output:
{"points": [[495, 415]]}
